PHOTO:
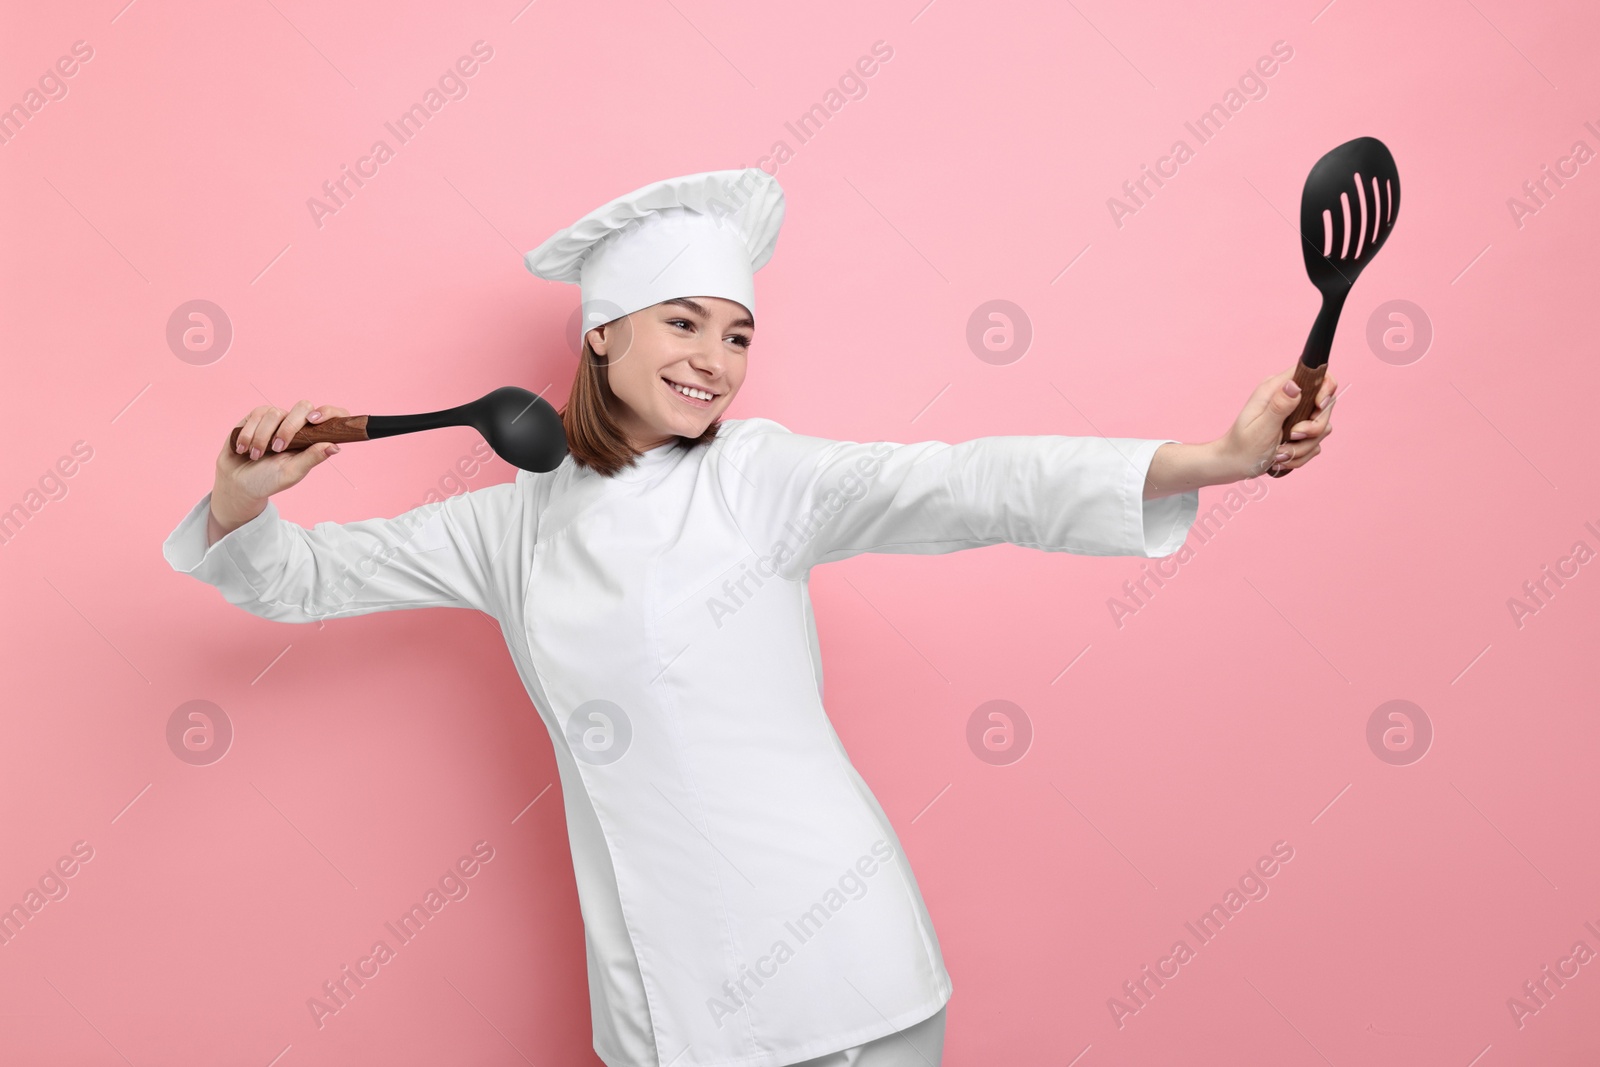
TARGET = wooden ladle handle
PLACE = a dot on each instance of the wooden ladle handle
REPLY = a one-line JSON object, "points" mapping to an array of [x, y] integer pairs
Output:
{"points": [[340, 428]]}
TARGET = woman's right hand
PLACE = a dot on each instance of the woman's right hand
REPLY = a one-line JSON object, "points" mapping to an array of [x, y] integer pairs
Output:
{"points": [[245, 480]]}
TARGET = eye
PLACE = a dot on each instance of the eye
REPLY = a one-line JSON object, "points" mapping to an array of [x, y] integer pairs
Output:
{"points": [[742, 340]]}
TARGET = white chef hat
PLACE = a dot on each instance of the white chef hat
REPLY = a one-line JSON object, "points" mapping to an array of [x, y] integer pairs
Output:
{"points": [[697, 235]]}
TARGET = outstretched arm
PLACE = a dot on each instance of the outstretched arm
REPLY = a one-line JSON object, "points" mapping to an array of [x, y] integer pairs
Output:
{"points": [[805, 500]]}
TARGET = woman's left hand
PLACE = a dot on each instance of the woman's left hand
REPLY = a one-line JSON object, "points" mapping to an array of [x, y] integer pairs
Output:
{"points": [[1255, 441]]}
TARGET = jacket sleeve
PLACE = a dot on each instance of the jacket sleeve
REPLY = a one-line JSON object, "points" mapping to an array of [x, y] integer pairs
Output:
{"points": [[807, 500], [439, 554]]}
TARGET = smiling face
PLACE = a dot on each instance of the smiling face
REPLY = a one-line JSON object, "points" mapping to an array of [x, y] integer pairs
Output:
{"points": [[699, 342]]}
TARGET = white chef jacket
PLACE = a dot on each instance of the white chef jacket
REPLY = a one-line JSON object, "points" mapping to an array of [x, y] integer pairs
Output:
{"points": [[746, 903]]}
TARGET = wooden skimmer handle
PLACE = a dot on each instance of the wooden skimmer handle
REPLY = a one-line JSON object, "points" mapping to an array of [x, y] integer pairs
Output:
{"points": [[1310, 381]]}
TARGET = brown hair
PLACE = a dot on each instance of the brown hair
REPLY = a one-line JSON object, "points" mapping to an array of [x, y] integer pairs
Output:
{"points": [[593, 438]]}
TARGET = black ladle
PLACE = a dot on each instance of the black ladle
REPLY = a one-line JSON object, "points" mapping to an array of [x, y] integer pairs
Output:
{"points": [[522, 428], [1348, 209]]}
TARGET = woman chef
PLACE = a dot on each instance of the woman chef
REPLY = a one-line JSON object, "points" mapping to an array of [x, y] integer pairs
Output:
{"points": [[745, 901]]}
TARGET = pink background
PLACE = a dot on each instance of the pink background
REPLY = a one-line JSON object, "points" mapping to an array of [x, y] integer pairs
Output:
{"points": [[1228, 714]]}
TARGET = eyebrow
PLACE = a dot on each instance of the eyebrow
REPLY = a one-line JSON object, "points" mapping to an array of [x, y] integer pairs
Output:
{"points": [[703, 312]]}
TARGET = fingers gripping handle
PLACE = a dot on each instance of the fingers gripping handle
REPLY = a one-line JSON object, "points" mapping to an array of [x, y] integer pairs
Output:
{"points": [[1309, 379], [340, 428]]}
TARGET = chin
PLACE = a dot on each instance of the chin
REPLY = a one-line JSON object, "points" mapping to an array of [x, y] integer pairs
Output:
{"points": [[692, 423], [693, 427]]}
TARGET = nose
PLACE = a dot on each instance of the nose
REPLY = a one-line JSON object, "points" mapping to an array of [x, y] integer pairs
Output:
{"points": [[708, 357]]}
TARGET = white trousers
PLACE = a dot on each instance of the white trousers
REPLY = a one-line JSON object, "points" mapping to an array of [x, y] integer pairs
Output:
{"points": [[918, 1045]]}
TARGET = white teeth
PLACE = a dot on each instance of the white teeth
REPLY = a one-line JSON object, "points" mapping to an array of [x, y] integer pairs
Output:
{"points": [[698, 394]]}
